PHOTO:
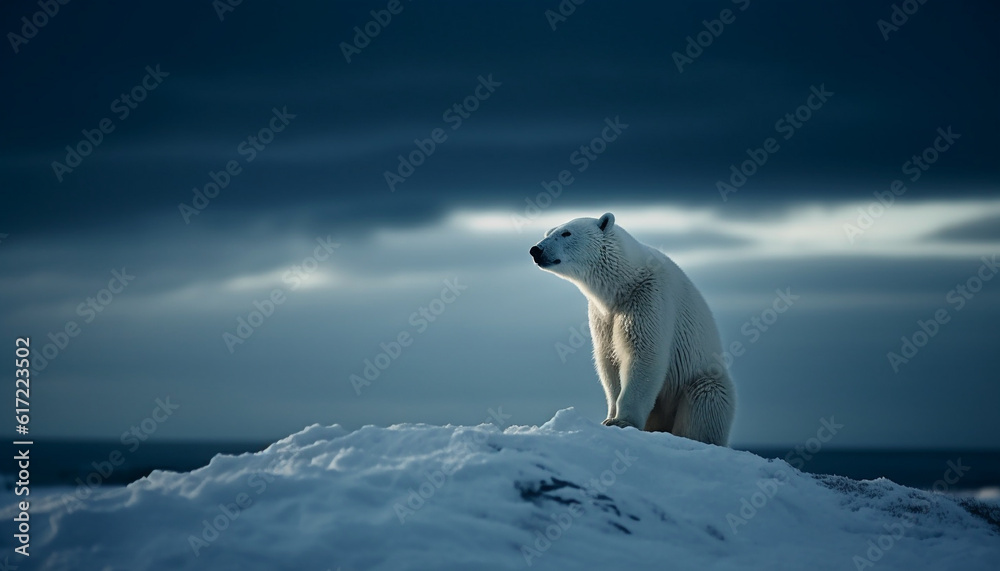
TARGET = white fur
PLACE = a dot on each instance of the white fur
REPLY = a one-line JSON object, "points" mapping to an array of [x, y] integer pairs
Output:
{"points": [[655, 341]]}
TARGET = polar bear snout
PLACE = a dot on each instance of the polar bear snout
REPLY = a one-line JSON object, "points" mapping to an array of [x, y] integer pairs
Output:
{"points": [[538, 255]]}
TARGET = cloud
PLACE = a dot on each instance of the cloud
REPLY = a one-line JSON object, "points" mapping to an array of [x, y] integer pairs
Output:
{"points": [[984, 229], [210, 264], [808, 230], [686, 129]]}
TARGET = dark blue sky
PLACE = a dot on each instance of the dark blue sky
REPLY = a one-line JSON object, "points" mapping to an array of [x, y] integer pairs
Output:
{"points": [[322, 176]]}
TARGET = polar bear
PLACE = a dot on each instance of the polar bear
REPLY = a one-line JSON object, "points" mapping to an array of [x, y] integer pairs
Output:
{"points": [[655, 341]]}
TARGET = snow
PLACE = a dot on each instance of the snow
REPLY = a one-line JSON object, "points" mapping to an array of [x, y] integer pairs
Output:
{"points": [[570, 494]]}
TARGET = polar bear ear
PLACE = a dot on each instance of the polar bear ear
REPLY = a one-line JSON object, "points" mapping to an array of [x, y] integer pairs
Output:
{"points": [[606, 222]]}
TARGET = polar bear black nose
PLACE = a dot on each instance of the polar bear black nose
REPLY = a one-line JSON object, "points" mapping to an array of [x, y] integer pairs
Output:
{"points": [[535, 251]]}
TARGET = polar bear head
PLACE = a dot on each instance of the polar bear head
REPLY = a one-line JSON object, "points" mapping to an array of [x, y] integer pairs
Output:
{"points": [[573, 249]]}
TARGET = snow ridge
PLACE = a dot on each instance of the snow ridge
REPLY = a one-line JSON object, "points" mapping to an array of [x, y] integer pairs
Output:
{"points": [[567, 494]]}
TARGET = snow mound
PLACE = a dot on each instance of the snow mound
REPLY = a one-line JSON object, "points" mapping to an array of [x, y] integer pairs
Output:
{"points": [[569, 494]]}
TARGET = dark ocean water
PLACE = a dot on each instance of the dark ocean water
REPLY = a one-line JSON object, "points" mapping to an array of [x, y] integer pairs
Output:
{"points": [[83, 462]]}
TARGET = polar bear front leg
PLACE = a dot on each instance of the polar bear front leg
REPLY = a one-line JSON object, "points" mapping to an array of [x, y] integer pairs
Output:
{"points": [[608, 371], [641, 384], [607, 368], [644, 359]]}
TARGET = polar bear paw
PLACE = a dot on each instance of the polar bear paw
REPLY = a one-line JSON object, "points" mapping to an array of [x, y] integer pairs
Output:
{"points": [[616, 422]]}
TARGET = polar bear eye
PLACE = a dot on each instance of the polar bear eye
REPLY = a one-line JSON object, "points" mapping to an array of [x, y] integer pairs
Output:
{"points": [[564, 234]]}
